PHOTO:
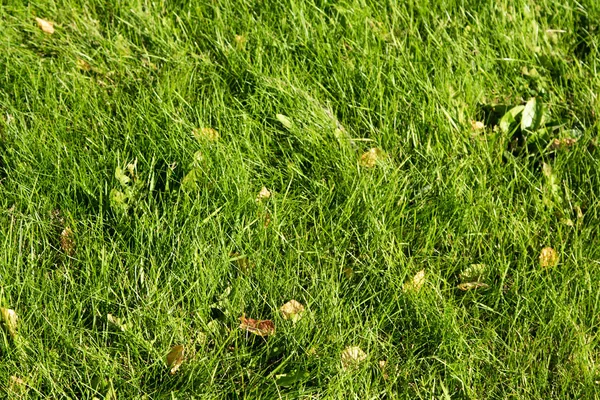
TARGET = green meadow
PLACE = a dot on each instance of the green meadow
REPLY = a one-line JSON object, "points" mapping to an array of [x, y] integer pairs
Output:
{"points": [[421, 178]]}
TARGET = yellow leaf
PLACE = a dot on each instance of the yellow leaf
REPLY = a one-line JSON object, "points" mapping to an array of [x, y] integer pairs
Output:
{"points": [[209, 134], [10, 320], [548, 257], [352, 356], [175, 358], [477, 125], [292, 310], [370, 158], [472, 285], [416, 283], [67, 241], [83, 65], [263, 194], [240, 42], [46, 26]]}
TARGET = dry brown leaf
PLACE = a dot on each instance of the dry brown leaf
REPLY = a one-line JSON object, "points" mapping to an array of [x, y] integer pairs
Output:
{"points": [[477, 125], [292, 310], [563, 143], [416, 283], [10, 320], [472, 285], [548, 257], [370, 158], [67, 241], [352, 356], [46, 26], [263, 194], [209, 134], [257, 327], [175, 358]]}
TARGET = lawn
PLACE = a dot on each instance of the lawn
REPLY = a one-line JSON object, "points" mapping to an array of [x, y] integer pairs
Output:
{"points": [[422, 178]]}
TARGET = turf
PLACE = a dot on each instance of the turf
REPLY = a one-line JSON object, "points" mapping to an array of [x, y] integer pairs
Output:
{"points": [[126, 229]]}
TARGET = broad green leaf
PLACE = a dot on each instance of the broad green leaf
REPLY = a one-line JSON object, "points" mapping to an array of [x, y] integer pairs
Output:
{"points": [[509, 118], [530, 115], [121, 176], [292, 378]]}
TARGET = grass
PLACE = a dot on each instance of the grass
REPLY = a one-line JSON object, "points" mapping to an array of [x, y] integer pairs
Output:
{"points": [[176, 248]]}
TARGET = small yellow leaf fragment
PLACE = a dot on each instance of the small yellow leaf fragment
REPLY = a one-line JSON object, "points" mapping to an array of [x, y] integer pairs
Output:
{"points": [[263, 194], [292, 310], [17, 385], [472, 285], [209, 134], [83, 65], [416, 283], [46, 26], [384, 369], [352, 356], [477, 125], [10, 320], [370, 158], [564, 143], [548, 257], [115, 321], [67, 241], [473, 273], [284, 120], [175, 358], [240, 42]]}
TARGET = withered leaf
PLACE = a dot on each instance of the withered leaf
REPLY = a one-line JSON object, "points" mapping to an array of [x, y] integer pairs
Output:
{"points": [[175, 358], [209, 134], [472, 285], [67, 241], [263, 194], [257, 327], [416, 283], [45, 26], [292, 310], [9, 320], [352, 356], [548, 257], [370, 158]]}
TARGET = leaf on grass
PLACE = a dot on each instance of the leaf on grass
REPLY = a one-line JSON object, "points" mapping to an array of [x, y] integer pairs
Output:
{"points": [[292, 310], [548, 257], [352, 356], [473, 273], [509, 118], [46, 26], [285, 121], [263, 194], [9, 320], [191, 179], [477, 126], [290, 378], [257, 327], [472, 285], [115, 321], [530, 115], [175, 358], [565, 143], [383, 367], [416, 283], [370, 158], [83, 65], [67, 241], [123, 179], [17, 385], [240, 42], [209, 134]]}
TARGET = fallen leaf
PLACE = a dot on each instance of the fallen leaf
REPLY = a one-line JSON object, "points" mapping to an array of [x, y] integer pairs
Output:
{"points": [[115, 321], [209, 134], [285, 121], [17, 385], [383, 368], [564, 143], [548, 257], [46, 26], [369, 158], [352, 356], [292, 310], [240, 41], [477, 125], [10, 320], [83, 65], [529, 117], [263, 194], [472, 285], [473, 273], [67, 241], [416, 283], [257, 327], [175, 358]]}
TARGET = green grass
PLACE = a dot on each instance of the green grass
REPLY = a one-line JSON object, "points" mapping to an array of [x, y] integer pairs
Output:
{"points": [[157, 252]]}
